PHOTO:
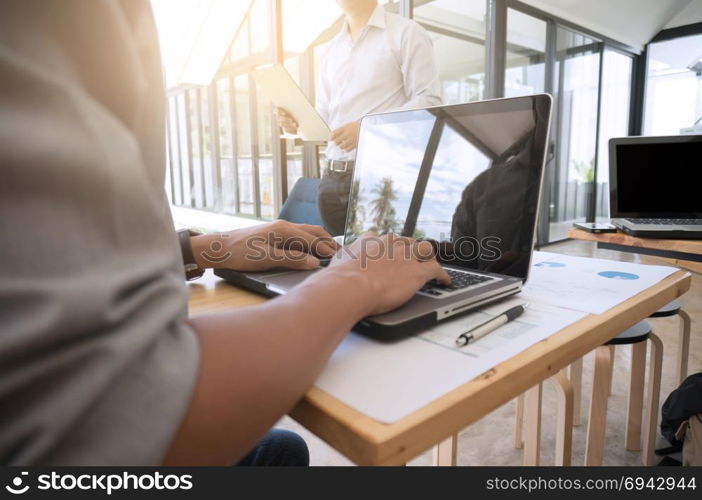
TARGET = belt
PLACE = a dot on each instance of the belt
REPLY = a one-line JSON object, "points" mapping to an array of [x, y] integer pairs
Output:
{"points": [[340, 165]]}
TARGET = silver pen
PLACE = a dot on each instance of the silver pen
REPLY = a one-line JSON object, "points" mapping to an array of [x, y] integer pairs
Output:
{"points": [[490, 325]]}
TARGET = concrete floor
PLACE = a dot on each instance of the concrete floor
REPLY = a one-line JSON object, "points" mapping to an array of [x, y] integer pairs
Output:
{"points": [[490, 440]]}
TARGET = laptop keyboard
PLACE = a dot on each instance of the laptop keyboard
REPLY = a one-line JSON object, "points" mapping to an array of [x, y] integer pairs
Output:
{"points": [[460, 280], [668, 222]]}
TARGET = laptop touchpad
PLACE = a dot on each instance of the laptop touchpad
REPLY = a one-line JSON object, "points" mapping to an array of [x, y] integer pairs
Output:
{"points": [[283, 282]]}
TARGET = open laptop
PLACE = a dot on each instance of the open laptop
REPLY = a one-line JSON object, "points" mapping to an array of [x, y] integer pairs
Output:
{"points": [[655, 186], [468, 178]]}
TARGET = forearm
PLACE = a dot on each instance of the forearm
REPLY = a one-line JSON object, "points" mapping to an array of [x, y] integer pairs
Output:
{"points": [[256, 363]]}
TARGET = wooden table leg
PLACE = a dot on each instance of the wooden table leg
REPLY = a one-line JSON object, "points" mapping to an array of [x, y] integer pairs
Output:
{"points": [[445, 453], [532, 422], [597, 420], [519, 422], [632, 440], [684, 347], [655, 366], [576, 380], [612, 349], [564, 431]]}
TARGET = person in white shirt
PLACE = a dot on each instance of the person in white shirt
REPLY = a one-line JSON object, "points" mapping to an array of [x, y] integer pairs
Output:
{"points": [[379, 61]]}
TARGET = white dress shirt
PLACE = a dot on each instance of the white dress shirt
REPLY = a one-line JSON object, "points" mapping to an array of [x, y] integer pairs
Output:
{"points": [[389, 66]]}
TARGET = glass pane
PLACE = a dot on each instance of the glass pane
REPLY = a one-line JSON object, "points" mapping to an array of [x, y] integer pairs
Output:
{"points": [[207, 150], [673, 89], [294, 165], [243, 141], [259, 25], [169, 168], [240, 48], [174, 151], [304, 22], [264, 117], [184, 151], [460, 57], [614, 119], [226, 150], [195, 145], [572, 177], [526, 52]]}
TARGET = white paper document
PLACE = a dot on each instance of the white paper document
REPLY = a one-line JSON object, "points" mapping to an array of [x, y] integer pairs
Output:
{"points": [[388, 381], [590, 285]]}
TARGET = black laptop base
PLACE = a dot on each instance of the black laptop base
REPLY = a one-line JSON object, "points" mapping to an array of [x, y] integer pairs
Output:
{"points": [[663, 235], [378, 331]]}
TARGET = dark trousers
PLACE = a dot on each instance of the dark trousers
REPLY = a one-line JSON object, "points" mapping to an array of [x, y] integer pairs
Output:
{"points": [[278, 447], [333, 200]]}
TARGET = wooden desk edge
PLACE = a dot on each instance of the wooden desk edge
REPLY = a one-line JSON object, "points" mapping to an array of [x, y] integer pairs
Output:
{"points": [[369, 442], [619, 238], [664, 248]]}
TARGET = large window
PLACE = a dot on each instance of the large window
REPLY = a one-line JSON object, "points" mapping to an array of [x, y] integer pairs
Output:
{"points": [[245, 157], [673, 85], [590, 79], [457, 28], [576, 92], [225, 152], [525, 62], [614, 118], [229, 179]]}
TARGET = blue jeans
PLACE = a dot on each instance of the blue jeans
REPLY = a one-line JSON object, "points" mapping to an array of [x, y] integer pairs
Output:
{"points": [[278, 447]]}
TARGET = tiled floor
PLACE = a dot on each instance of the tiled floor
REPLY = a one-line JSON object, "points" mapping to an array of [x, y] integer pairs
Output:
{"points": [[490, 440]]}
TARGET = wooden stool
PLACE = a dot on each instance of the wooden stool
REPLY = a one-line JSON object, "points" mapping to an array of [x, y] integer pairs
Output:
{"points": [[444, 453], [529, 406], [636, 336], [570, 400], [671, 309]]}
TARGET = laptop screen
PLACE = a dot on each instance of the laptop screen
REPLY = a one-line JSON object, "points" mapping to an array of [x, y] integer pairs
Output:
{"points": [[657, 177], [466, 176]]}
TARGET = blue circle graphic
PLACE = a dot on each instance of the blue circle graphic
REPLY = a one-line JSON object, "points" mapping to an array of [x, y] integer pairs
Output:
{"points": [[550, 264], [618, 275]]}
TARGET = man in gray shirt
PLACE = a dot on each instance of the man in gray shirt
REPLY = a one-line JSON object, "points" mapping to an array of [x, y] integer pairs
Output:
{"points": [[99, 362]]}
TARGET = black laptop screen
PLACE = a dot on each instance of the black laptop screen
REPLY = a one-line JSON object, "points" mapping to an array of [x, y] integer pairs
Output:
{"points": [[466, 177], [658, 179]]}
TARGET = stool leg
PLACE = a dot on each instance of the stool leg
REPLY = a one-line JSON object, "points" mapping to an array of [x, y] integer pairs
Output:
{"points": [[564, 431], [444, 453], [532, 422], [576, 379], [611, 368], [596, 425], [519, 422], [636, 392], [654, 387], [684, 347]]}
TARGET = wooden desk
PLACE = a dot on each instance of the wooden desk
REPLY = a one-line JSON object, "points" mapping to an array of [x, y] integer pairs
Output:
{"points": [[369, 442], [681, 253]]}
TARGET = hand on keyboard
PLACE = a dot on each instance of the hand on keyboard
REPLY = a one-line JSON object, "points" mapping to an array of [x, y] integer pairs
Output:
{"points": [[394, 268]]}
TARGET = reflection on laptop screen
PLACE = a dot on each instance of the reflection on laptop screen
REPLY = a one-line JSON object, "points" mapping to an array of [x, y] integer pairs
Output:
{"points": [[465, 176]]}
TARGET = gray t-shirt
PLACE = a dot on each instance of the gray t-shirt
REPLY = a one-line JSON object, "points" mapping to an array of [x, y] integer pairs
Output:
{"points": [[96, 364]]}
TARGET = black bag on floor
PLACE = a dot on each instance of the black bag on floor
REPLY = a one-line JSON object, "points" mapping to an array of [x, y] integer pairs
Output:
{"points": [[680, 405]]}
